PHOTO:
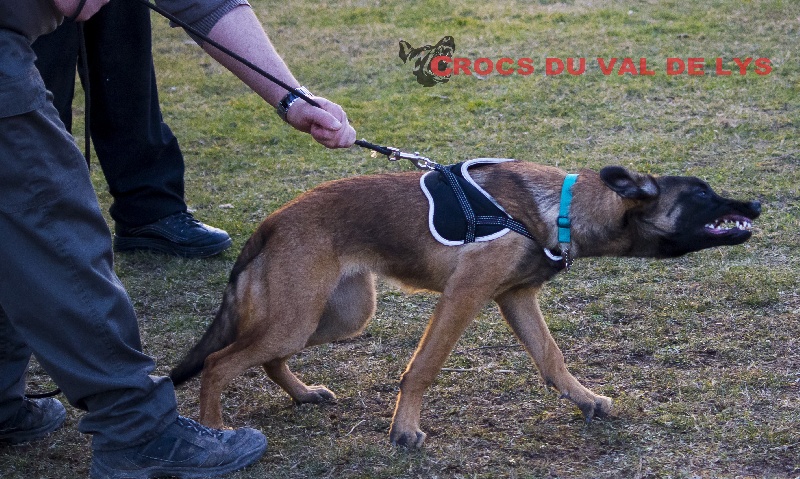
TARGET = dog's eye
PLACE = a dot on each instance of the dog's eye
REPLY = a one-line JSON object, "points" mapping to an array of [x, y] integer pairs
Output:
{"points": [[702, 193]]}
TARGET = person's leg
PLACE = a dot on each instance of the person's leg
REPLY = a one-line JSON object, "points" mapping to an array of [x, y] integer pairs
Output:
{"points": [[63, 300], [56, 57], [140, 156], [137, 151], [59, 290], [21, 419], [14, 358]]}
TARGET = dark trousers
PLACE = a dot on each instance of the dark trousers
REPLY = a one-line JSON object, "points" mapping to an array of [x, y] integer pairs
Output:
{"points": [[59, 296], [138, 153]]}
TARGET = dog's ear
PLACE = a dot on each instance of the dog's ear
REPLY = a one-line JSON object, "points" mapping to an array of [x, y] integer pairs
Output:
{"points": [[405, 50], [447, 41], [628, 184]]}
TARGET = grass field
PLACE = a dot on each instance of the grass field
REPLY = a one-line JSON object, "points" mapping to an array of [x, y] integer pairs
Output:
{"points": [[700, 354]]}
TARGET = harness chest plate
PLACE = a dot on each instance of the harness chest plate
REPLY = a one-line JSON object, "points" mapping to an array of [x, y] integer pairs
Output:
{"points": [[465, 212]]}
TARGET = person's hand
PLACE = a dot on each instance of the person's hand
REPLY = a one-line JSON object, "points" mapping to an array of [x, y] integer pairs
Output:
{"points": [[327, 125], [68, 7]]}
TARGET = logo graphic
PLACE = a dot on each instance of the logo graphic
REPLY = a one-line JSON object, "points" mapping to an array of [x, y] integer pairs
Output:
{"points": [[423, 56]]}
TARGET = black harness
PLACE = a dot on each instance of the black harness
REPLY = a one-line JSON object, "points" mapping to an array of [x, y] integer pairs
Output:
{"points": [[462, 212]]}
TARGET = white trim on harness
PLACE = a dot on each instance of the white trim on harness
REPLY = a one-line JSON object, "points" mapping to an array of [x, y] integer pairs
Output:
{"points": [[465, 173]]}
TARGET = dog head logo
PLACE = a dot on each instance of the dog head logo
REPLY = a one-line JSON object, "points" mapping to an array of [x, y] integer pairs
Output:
{"points": [[422, 57]]}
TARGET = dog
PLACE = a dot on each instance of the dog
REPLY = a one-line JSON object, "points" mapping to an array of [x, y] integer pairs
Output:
{"points": [[423, 56], [307, 275]]}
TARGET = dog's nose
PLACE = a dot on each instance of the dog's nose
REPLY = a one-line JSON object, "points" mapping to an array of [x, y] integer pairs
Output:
{"points": [[756, 207]]}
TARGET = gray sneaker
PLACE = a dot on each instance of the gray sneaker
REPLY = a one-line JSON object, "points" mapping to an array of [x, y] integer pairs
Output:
{"points": [[186, 449], [34, 420]]}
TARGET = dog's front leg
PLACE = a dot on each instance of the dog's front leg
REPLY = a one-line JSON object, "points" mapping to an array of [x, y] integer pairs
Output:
{"points": [[455, 310], [521, 309]]}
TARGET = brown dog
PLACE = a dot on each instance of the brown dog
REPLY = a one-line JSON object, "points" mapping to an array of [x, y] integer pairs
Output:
{"points": [[306, 276]]}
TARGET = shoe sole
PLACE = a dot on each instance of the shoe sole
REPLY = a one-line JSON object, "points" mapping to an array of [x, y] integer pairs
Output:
{"points": [[126, 244], [99, 471]]}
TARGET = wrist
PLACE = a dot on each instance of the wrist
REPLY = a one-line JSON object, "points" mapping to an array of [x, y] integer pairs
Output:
{"points": [[282, 108]]}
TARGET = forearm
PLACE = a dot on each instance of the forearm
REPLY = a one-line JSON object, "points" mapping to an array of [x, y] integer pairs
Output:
{"points": [[236, 28], [241, 32]]}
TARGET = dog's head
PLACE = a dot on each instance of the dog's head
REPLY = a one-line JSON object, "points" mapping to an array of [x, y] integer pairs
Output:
{"points": [[664, 217], [422, 57]]}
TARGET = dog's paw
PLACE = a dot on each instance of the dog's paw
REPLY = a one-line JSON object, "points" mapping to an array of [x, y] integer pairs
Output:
{"points": [[597, 407], [591, 405], [410, 439], [315, 395]]}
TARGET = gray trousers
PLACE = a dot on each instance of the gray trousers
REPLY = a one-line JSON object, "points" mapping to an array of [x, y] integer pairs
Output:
{"points": [[59, 296]]}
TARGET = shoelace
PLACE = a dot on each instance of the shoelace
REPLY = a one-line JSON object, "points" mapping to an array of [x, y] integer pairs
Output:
{"points": [[185, 220], [199, 428]]}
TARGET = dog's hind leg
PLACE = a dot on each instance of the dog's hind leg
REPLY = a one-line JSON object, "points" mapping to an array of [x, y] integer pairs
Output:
{"points": [[347, 311], [226, 364], [301, 393], [520, 308], [276, 321], [220, 369]]}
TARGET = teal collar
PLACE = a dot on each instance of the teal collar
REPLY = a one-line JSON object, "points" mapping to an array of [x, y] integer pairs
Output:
{"points": [[564, 223]]}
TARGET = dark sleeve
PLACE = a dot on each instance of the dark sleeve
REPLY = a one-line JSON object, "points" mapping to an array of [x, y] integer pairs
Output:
{"points": [[200, 14]]}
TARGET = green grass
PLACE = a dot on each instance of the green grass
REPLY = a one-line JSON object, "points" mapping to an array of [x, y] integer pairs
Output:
{"points": [[700, 353]]}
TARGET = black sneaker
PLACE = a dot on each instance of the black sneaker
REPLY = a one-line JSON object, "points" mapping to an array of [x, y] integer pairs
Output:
{"points": [[179, 235], [34, 420], [186, 449]]}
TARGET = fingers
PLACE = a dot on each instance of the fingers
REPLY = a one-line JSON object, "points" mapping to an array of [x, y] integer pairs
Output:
{"points": [[70, 7], [328, 125]]}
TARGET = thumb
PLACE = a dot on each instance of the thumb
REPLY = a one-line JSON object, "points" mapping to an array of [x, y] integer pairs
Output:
{"points": [[325, 120]]}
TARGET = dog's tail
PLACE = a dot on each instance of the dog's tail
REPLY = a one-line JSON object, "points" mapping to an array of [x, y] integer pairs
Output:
{"points": [[222, 331], [219, 334]]}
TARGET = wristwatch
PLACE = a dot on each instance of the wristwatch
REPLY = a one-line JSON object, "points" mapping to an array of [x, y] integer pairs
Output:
{"points": [[283, 106]]}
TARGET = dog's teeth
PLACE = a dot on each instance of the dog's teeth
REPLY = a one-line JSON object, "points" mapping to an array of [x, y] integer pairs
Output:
{"points": [[726, 224]]}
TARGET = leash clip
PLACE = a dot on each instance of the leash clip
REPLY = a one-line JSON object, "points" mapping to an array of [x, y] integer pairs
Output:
{"points": [[419, 161]]}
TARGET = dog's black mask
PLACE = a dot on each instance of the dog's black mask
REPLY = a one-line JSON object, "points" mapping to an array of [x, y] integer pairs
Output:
{"points": [[706, 219], [423, 56], [675, 215]]}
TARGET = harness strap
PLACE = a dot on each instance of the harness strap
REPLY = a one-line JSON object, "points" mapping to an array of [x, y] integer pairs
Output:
{"points": [[469, 213], [506, 222], [462, 201]]}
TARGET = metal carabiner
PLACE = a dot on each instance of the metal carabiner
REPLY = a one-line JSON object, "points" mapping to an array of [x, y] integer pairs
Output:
{"points": [[421, 162]]}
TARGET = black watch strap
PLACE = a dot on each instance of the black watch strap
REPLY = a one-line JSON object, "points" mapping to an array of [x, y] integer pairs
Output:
{"points": [[283, 106]]}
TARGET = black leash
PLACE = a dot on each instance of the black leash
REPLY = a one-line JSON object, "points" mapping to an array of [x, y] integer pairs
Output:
{"points": [[83, 72], [172, 18], [49, 394], [392, 153]]}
